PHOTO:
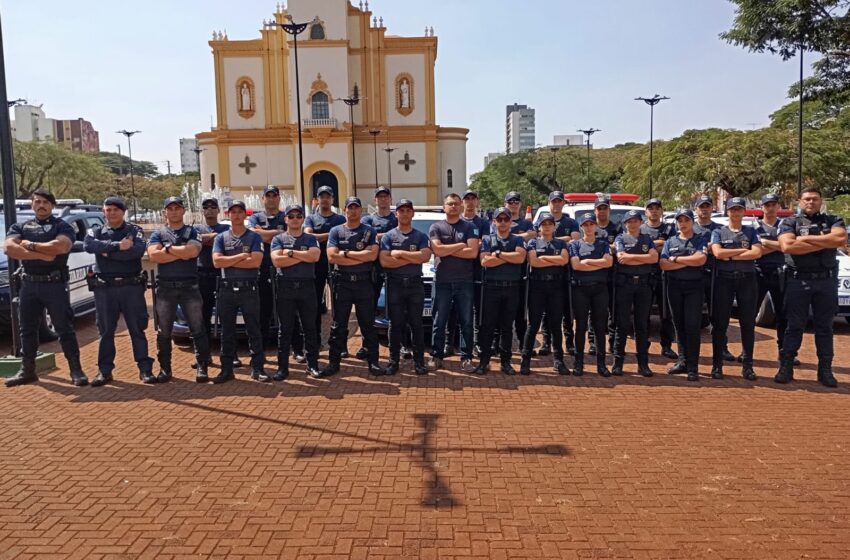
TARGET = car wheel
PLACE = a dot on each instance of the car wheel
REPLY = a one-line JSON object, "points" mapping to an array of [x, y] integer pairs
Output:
{"points": [[766, 317], [46, 330]]}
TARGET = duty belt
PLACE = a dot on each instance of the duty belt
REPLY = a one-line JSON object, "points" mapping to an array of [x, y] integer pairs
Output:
{"points": [[502, 283], [176, 284], [769, 270], [803, 275], [405, 280], [237, 285], [49, 278], [636, 279], [121, 281], [348, 277], [546, 277], [735, 274], [579, 282]]}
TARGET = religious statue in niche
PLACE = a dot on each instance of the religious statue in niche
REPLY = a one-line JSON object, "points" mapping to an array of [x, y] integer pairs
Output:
{"points": [[245, 97], [404, 93]]}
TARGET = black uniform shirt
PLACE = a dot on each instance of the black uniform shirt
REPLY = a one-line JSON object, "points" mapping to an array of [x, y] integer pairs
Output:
{"points": [[817, 224], [550, 248], [413, 241], [609, 233], [678, 247], [183, 269], [728, 239], [640, 245], [303, 242], [267, 222], [584, 250], [451, 268], [482, 226], [507, 272], [229, 244], [43, 231], [357, 239], [110, 260], [775, 259], [205, 256]]}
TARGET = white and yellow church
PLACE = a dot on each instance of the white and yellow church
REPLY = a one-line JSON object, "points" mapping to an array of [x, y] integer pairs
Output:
{"points": [[344, 49]]}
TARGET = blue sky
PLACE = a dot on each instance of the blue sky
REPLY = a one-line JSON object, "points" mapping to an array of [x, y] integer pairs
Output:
{"points": [[147, 65]]}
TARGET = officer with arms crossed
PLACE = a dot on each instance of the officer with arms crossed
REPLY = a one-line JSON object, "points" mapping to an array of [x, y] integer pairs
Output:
{"points": [[238, 253], [547, 257], [207, 273], [636, 256], [42, 245], [809, 241], [482, 226], [525, 229], [295, 255], [352, 249], [660, 231], [735, 248], [607, 230], [118, 284], [403, 252], [503, 257], [683, 259], [455, 243], [770, 267], [174, 248], [590, 258]]}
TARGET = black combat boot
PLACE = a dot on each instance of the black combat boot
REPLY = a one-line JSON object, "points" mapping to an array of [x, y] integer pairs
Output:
{"points": [[717, 371], [392, 366], [643, 366], [282, 367], [678, 367], [825, 375], [747, 371], [312, 370], [225, 375], [331, 369], [78, 378], [26, 374], [578, 367], [617, 368], [483, 365], [558, 365], [201, 372], [376, 369], [545, 348], [785, 373], [258, 373], [524, 366], [102, 378], [601, 368]]}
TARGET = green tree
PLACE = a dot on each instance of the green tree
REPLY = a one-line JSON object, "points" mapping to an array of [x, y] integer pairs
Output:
{"points": [[46, 165], [120, 165]]}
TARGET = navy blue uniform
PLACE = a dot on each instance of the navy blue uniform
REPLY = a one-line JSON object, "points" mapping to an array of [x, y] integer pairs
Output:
{"points": [[633, 297], [207, 273], [320, 224], [381, 224], [564, 227], [770, 273], [685, 294], [119, 289], [546, 296], [590, 293], [663, 231], [482, 226], [609, 233], [276, 222], [518, 226], [500, 302], [705, 231]]}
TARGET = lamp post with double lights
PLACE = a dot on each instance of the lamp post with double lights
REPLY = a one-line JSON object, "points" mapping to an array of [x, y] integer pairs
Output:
{"points": [[129, 134], [351, 101], [375, 132], [652, 102], [389, 165], [588, 132]]}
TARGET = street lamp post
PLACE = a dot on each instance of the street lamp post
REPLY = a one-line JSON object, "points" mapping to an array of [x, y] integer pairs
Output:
{"points": [[652, 102], [129, 134], [351, 102], [375, 132], [588, 132], [198, 151], [389, 165], [800, 131]]}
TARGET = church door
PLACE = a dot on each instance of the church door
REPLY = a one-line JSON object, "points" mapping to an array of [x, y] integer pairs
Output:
{"points": [[325, 178]]}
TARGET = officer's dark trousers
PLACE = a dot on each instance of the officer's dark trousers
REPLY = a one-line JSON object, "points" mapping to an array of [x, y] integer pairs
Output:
{"points": [[461, 295], [668, 331], [230, 300], [771, 281], [728, 287], [686, 298], [590, 301], [319, 293], [567, 314], [821, 295], [55, 298], [358, 294], [545, 302], [405, 299], [296, 302], [189, 299], [520, 320], [498, 312], [267, 306], [110, 303], [609, 320], [207, 286], [633, 301]]}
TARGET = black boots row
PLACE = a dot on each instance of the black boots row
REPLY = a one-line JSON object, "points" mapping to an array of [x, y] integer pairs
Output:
{"points": [[26, 373], [785, 373]]}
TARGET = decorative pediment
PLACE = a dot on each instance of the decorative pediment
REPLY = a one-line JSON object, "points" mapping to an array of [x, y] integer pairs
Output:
{"points": [[320, 134], [317, 86], [246, 104]]}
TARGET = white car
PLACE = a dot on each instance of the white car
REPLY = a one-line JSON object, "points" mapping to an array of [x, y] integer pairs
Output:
{"points": [[577, 204]]}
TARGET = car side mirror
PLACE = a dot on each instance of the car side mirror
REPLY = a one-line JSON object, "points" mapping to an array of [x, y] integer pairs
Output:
{"points": [[77, 247]]}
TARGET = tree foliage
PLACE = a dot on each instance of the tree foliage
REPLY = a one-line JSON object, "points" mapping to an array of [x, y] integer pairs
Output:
{"points": [[46, 165], [119, 164]]}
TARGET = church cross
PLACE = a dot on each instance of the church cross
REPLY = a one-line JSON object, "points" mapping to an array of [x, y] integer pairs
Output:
{"points": [[407, 162], [247, 165]]}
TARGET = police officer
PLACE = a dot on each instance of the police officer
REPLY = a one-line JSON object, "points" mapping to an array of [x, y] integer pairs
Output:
{"points": [[590, 259], [481, 225], [207, 273], [525, 229], [770, 267], [403, 252], [683, 259], [809, 241], [660, 231], [295, 255], [352, 249], [547, 258], [118, 284], [607, 230], [319, 224], [636, 256], [503, 258], [174, 248], [42, 245], [267, 223], [382, 220], [238, 253], [735, 248]]}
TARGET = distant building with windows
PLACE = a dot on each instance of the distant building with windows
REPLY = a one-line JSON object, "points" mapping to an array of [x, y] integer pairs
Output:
{"points": [[519, 128], [492, 156], [568, 140], [32, 125], [188, 157]]}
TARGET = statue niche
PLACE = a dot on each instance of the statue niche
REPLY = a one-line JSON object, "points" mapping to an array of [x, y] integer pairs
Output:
{"points": [[246, 104], [404, 94]]}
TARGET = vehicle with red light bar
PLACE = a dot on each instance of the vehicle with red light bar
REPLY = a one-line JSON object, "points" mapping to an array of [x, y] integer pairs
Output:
{"points": [[576, 204]]}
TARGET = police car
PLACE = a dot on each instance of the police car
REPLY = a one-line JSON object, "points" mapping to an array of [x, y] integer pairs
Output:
{"points": [[80, 217], [576, 204]]}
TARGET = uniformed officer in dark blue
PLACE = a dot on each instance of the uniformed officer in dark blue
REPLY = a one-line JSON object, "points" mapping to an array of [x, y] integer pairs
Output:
{"points": [[525, 229], [683, 259], [809, 241], [636, 257], [295, 254], [735, 248], [660, 231], [207, 273], [267, 223], [42, 245], [770, 267], [470, 214], [238, 254], [119, 285], [352, 250], [382, 220], [590, 260], [319, 224], [404, 250], [547, 259], [502, 258], [607, 230], [174, 248]]}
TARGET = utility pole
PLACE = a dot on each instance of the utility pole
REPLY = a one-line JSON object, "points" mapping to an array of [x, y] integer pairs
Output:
{"points": [[652, 102], [588, 132]]}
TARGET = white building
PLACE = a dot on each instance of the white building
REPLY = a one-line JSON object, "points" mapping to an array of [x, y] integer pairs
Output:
{"points": [[519, 128], [343, 49], [30, 124], [188, 157], [568, 140], [489, 158]]}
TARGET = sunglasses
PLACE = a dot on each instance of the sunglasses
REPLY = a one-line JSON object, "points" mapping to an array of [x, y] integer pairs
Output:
{"points": [[295, 216], [503, 220], [513, 202], [210, 207]]}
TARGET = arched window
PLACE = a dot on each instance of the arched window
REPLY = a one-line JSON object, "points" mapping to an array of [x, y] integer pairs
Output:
{"points": [[317, 31], [449, 179], [321, 107]]}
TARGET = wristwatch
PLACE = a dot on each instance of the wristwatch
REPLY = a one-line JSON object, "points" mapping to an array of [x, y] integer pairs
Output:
{"points": [[345, 253], [673, 258], [290, 253], [168, 249]]}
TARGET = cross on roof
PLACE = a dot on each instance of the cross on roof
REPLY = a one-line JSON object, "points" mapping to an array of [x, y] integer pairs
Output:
{"points": [[407, 162], [247, 165]]}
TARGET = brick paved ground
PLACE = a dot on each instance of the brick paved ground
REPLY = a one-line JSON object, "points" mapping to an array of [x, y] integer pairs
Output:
{"points": [[445, 466]]}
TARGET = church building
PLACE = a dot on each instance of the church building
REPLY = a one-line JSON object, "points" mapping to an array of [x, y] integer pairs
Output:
{"points": [[343, 53]]}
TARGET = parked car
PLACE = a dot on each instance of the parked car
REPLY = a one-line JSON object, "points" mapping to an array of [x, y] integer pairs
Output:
{"points": [[577, 204]]}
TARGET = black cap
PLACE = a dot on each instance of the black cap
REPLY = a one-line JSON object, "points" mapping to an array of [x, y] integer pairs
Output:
{"points": [[404, 202], [770, 197], [325, 189], [601, 202], [632, 214], [556, 195], [736, 202], [294, 207], [353, 200], [545, 217], [513, 195], [703, 199], [173, 200], [44, 193], [116, 202], [687, 212], [271, 188], [236, 203], [652, 201], [470, 193], [382, 189], [586, 217], [209, 200], [499, 211]]}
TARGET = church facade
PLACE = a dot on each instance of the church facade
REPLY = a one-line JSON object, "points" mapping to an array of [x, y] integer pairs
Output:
{"points": [[344, 52]]}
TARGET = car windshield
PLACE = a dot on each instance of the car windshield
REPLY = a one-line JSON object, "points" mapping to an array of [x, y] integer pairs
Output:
{"points": [[423, 225], [618, 213]]}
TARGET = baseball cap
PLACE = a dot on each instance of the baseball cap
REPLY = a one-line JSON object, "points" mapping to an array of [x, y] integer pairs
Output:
{"points": [[602, 202], [116, 202], [736, 202], [501, 211], [631, 215], [209, 200], [770, 197], [271, 188], [586, 217], [513, 195], [556, 195], [44, 193], [703, 199], [470, 193], [173, 200], [353, 200], [652, 201], [325, 189], [687, 212], [382, 189], [545, 217], [404, 202], [236, 204], [294, 207]]}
